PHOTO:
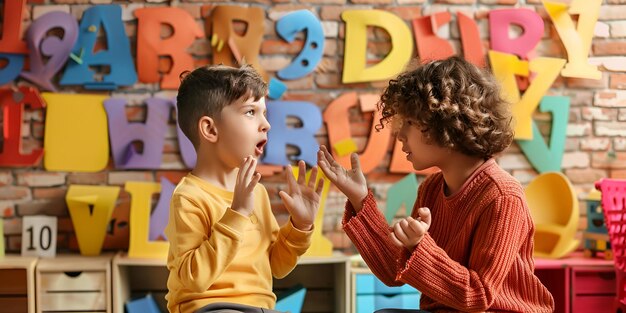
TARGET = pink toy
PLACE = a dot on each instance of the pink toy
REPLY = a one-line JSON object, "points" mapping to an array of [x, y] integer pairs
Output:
{"points": [[614, 208]]}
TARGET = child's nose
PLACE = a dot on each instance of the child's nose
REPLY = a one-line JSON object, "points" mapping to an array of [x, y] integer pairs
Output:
{"points": [[265, 125]]}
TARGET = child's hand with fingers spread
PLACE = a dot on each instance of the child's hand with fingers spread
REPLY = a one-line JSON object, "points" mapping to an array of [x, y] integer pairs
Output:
{"points": [[352, 182], [302, 199], [408, 232], [247, 178]]}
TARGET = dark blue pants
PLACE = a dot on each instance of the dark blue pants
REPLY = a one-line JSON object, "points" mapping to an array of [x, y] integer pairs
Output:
{"points": [[224, 307]]}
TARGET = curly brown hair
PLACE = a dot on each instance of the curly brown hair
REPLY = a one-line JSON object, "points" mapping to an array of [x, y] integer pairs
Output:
{"points": [[456, 104]]}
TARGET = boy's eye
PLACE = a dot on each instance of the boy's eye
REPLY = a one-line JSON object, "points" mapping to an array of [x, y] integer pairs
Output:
{"points": [[250, 112]]}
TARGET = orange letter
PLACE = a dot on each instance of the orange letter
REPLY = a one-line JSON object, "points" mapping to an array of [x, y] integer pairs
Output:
{"points": [[150, 45]]}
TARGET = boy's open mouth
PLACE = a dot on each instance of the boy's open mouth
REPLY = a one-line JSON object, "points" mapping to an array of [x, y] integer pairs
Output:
{"points": [[259, 147]]}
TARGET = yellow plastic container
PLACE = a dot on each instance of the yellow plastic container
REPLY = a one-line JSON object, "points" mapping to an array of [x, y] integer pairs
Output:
{"points": [[554, 207]]}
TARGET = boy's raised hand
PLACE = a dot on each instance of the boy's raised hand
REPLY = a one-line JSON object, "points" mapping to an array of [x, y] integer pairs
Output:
{"points": [[302, 199], [352, 182], [408, 232], [247, 178]]}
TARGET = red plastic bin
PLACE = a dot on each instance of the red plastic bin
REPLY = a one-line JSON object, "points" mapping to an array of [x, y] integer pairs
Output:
{"points": [[614, 209]]}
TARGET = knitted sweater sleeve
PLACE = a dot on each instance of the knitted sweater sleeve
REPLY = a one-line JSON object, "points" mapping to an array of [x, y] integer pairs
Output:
{"points": [[370, 233], [501, 231]]}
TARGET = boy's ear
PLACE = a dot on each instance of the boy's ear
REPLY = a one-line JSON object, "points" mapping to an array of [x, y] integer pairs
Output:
{"points": [[207, 129]]}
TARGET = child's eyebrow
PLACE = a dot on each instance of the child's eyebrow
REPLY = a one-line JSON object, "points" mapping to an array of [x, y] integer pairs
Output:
{"points": [[255, 107]]}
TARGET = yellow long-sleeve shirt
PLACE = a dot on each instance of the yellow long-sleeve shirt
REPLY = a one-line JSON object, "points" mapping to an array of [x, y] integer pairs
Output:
{"points": [[219, 255]]}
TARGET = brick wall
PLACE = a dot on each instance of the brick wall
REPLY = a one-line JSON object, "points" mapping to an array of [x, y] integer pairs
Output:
{"points": [[596, 133]]}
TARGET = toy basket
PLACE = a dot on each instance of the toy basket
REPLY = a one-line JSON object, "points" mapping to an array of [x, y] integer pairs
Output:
{"points": [[614, 208]]}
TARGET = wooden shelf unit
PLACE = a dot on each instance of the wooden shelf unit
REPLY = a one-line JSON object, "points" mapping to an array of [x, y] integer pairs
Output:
{"points": [[17, 286], [74, 283], [326, 280]]}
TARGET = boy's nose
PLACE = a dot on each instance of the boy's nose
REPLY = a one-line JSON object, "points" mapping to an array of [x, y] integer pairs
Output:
{"points": [[265, 125]]}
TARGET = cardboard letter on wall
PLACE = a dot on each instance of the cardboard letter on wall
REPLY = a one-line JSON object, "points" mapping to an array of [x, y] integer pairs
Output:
{"points": [[150, 46], [505, 67], [546, 158], [354, 60], [429, 45], [151, 134], [57, 49], [140, 246], [117, 57], [76, 137], [576, 39], [13, 14], [280, 135], [500, 22], [470, 37], [12, 104], [248, 44], [90, 209], [311, 54], [336, 119]]}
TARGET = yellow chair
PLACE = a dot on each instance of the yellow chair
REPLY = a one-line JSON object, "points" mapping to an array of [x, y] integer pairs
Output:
{"points": [[554, 207]]}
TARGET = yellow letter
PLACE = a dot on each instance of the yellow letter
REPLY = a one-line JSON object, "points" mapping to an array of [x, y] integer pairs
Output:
{"points": [[356, 45], [90, 209], [139, 246], [505, 67], [577, 41], [76, 137]]}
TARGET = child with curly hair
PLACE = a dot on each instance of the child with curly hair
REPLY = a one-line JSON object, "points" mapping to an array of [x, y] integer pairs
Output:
{"points": [[468, 243]]}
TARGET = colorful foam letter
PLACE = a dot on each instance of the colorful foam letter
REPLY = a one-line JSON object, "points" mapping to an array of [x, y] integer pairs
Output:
{"points": [[499, 24], [58, 50], [576, 39], [470, 37], [161, 213], [151, 134], [13, 13], [140, 245], [118, 57], [14, 64], [291, 24], [404, 192], [12, 103], [505, 67], [90, 209], [150, 46], [354, 60], [117, 235], [338, 125], [12, 49], [542, 157], [1, 238], [429, 45], [248, 44], [280, 135], [76, 138]]}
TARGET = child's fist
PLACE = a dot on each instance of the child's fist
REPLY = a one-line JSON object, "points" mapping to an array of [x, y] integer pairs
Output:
{"points": [[409, 231]]}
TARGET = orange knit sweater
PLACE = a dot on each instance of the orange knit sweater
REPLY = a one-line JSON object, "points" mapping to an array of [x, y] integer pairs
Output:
{"points": [[477, 255]]}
